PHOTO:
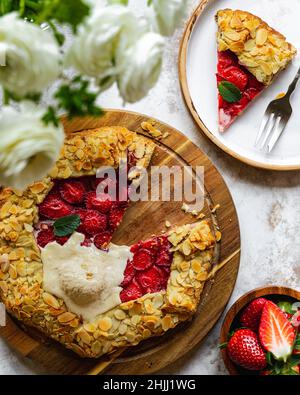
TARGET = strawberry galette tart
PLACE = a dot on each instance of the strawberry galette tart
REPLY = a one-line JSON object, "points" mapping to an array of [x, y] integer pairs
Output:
{"points": [[250, 55], [60, 272]]}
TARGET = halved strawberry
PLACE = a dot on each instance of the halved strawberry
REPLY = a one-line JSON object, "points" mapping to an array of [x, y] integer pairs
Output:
{"points": [[250, 317], [81, 212], [131, 292], [236, 76], [45, 237], [164, 258], [54, 207], [100, 202], [102, 240], [142, 260], [150, 280], [72, 191], [244, 349], [115, 217], [94, 223], [87, 242], [276, 333], [128, 274]]}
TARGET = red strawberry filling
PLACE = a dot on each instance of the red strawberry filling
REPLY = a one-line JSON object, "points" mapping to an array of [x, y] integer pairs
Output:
{"points": [[230, 70], [99, 214], [72, 191], [149, 269]]}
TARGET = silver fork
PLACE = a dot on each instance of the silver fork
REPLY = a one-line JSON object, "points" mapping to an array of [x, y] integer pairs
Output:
{"points": [[275, 119]]}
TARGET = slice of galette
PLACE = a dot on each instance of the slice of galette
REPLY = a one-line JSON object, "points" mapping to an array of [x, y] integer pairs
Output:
{"points": [[250, 55], [59, 271]]}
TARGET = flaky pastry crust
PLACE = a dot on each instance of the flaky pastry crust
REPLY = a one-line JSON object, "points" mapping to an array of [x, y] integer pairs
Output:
{"points": [[21, 274], [261, 49]]}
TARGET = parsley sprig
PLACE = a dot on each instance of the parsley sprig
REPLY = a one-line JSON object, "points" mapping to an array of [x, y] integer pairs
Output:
{"points": [[74, 98]]}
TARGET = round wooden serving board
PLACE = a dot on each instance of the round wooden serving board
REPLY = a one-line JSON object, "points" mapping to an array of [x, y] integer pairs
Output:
{"points": [[142, 220]]}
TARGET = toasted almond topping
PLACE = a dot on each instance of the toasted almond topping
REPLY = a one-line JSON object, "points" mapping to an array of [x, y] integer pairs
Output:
{"points": [[166, 323], [120, 314], [50, 300], [105, 324], [66, 317]]}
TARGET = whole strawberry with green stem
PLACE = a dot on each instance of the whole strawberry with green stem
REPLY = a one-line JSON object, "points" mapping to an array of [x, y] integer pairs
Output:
{"points": [[244, 349]]}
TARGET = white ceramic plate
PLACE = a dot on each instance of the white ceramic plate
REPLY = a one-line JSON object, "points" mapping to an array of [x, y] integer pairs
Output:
{"points": [[198, 58]]}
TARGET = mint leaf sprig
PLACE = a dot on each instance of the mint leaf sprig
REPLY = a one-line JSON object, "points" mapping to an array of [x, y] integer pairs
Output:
{"points": [[229, 92], [67, 225]]}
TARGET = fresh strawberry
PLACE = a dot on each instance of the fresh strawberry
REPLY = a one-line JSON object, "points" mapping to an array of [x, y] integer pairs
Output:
{"points": [[87, 242], [296, 321], [115, 217], [131, 292], [236, 76], [45, 237], [164, 258], [94, 223], [128, 274], [244, 349], [72, 191], [250, 317], [251, 93], [100, 202], [276, 333], [102, 240], [81, 212], [142, 260], [62, 239], [225, 59], [150, 280], [54, 207]]}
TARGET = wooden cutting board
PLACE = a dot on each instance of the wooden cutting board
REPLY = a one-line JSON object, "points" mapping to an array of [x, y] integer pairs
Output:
{"points": [[142, 220]]}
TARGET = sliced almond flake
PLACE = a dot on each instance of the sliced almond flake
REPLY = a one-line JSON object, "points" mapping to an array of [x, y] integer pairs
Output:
{"points": [[50, 300], [105, 324], [66, 317], [215, 208]]}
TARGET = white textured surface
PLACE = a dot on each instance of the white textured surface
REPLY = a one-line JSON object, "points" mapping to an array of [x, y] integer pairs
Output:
{"points": [[268, 205]]}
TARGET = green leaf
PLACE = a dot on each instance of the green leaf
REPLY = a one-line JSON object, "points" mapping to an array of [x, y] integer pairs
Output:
{"points": [[50, 117], [71, 12], [123, 2], [287, 307], [269, 358], [223, 345], [297, 343], [229, 92], [65, 226], [77, 99], [294, 360]]}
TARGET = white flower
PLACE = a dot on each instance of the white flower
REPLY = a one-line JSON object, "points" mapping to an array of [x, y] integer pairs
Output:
{"points": [[93, 50], [32, 56], [141, 66], [28, 147], [168, 15]]}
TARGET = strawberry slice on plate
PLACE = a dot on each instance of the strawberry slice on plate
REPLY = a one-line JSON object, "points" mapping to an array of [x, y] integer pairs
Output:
{"points": [[276, 333]]}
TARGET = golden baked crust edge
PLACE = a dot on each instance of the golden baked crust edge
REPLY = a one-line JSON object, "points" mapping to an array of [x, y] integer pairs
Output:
{"points": [[261, 49]]}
